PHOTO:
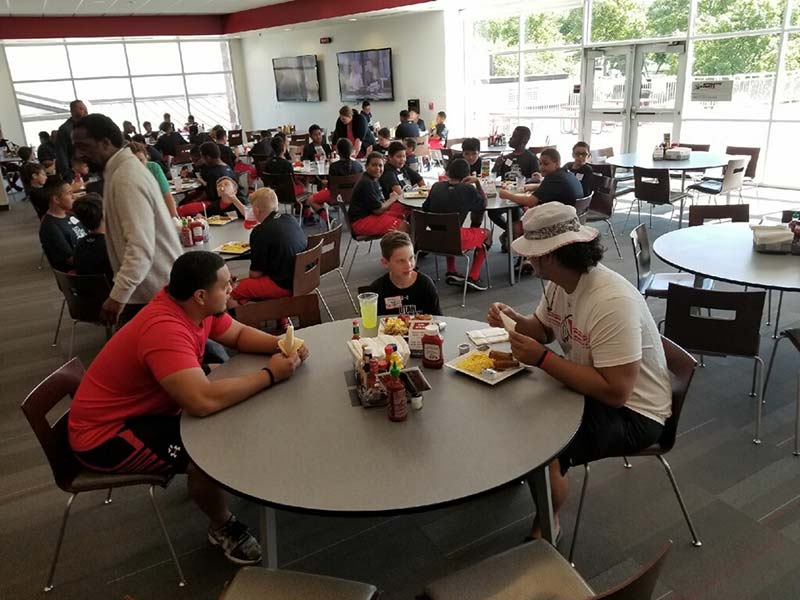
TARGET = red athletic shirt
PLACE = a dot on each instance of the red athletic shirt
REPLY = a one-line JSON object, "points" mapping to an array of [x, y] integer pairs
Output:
{"points": [[122, 382]]}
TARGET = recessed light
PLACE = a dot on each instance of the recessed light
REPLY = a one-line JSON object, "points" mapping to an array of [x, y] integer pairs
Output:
{"points": [[287, 28], [352, 19]]}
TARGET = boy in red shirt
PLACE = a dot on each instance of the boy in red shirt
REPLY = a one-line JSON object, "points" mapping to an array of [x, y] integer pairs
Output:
{"points": [[125, 417]]}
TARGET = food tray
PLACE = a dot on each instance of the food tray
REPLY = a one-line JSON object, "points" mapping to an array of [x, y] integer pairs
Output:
{"points": [[501, 375], [220, 219], [233, 248]]}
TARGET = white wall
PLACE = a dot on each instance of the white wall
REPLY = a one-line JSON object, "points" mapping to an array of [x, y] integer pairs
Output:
{"points": [[9, 116], [418, 59]]}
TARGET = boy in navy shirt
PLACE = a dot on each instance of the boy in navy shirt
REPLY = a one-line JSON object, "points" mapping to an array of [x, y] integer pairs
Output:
{"points": [[60, 231], [396, 175], [91, 257], [579, 167]]}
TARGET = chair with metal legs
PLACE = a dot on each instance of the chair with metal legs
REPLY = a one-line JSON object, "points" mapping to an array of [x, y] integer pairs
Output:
{"points": [[601, 208], [652, 186], [84, 296], [793, 335], [331, 259], [681, 368], [69, 475]]}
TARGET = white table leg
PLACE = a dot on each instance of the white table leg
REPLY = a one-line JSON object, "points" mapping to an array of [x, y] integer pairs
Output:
{"points": [[509, 239], [539, 483], [268, 528]]}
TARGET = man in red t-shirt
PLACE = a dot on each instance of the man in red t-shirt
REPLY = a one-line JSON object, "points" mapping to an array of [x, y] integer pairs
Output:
{"points": [[125, 417]]}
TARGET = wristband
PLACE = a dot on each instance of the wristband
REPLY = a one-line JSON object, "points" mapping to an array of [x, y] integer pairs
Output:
{"points": [[271, 375], [540, 362]]}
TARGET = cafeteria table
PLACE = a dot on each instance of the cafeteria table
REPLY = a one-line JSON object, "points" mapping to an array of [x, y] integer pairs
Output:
{"points": [[222, 234], [308, 446], [493, 203], [697, 160]]}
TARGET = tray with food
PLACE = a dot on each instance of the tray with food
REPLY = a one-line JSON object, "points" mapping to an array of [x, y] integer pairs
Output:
{"points": [[491, 367], [418, 194], [221, 219], [233, 248]]}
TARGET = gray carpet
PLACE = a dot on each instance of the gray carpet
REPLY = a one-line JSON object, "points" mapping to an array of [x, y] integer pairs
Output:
{"points": [[745, 500]]}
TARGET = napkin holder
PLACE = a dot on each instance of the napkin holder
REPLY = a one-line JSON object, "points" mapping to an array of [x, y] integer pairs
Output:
{"points": [[678, 153], [772, 239]]}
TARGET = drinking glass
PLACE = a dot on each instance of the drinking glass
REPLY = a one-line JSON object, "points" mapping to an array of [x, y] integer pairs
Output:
{"points": [[368, 301]]}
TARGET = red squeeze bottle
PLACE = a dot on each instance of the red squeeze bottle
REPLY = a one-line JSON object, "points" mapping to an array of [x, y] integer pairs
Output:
{"points": [[398, 411], [432, 356], [186, 235], [197, 230]]}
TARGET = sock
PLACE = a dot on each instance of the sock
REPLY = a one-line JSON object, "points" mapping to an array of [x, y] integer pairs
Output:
{"points": [[477, 263], [451, 264]]}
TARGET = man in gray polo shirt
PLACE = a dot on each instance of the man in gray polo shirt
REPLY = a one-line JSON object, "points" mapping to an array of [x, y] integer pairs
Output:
{"points": [[142, 239]]}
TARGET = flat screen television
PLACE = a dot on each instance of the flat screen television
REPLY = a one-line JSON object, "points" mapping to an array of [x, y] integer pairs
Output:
{"points": [[365, 75], [296, 78]]}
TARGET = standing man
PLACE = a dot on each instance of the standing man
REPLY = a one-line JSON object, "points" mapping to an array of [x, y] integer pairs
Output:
{"points": [[142, 240], [65, 151]]}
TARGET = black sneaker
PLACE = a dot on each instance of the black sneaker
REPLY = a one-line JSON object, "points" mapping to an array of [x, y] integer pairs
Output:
{"points": [[477, 284], [239, 546], [451, 278]]}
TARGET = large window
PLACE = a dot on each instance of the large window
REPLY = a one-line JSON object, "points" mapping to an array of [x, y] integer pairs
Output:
{"points": [[127, 80], [526, 67]]}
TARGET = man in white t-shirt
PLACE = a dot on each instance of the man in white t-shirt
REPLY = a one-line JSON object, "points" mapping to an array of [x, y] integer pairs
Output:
{"points": [[612, 349]]}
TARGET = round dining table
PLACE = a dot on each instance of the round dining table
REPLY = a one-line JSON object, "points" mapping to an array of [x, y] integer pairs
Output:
{"points": [[307, 445], [493, 203], [218, 235], [486, 151]]}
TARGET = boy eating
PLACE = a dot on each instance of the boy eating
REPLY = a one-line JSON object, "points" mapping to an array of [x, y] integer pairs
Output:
{"points": [[402, 285]]}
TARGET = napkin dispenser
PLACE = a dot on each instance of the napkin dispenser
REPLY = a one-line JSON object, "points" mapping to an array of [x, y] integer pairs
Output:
{"points": [[772, 238], [678, 153]]}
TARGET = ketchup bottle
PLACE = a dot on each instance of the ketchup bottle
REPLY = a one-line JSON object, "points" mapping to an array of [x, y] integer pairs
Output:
{"points": [[196, 226], [432, 356], [186, 235], [398, 411]]}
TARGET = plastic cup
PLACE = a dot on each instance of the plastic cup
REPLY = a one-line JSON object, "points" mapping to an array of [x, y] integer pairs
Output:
{"points": [[321, 167], [368, 302], [306, 165]]}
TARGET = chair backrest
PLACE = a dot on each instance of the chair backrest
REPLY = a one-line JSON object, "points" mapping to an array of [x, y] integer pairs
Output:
{"points": [[753, 153], [342, 185], [437, 233], [184, 156], [423, 147], [84, 294], [453, 141], [363, 289], [641, 254], [53, 438], [252, 136], [259, 162], [235, 137], [604, 169], [651, 185], [537, 150], [582, 207], [642, 584], [603, 195], [681, 366], [786, 215], [298, 139], [283, 185], [331, 241], [734, 175], [258, 314], [604, 152], [700, 213], [696, 147], [307, 270], [686, 324]]}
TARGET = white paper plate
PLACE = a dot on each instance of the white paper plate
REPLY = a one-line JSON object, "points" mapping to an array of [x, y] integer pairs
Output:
{"points": [[501, 375], [222, 250]]}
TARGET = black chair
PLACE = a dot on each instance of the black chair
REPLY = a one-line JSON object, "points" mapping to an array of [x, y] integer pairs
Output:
{"points": [[737, 213], [652, 186], [259, 314], [69, 475], [84, 296], [341, 190], [601, 208], [355, 238], [440, 234], [681, 368], [606, 170], [738, 336], [283, 185], [652, 284], [235, 138]]}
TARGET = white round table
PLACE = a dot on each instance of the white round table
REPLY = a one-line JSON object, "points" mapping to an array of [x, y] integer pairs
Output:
{"points": [[307, 444], [644, 160]]}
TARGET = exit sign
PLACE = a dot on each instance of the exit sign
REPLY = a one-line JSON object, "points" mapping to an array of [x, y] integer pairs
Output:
{"points": [[325, 40]]}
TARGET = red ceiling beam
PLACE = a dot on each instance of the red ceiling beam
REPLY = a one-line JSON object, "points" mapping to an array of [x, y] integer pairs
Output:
{"points": [[25, 28], [288, 13], [302, 11]]}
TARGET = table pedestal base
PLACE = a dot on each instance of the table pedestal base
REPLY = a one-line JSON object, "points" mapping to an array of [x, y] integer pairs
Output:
{"points": [[268, 534], [539, 483]]}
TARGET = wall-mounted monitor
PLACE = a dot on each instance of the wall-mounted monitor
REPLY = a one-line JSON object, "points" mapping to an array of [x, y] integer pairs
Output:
{"points": [[296, 78], [365, 75]]}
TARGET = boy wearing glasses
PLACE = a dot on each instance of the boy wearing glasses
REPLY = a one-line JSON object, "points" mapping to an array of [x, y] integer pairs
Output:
{"points": [[579, 167]]}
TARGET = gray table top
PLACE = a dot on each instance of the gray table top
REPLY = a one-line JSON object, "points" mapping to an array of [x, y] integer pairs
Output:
{"points": [[697, 160], [494, 150], [222, 234], [725, 252], [492, 203], [305, 445]]}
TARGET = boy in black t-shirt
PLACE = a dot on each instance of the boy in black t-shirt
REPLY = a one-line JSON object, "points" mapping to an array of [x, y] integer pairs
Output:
{"points": [[521, 161], [339, 168], [413, 117], [91, 257], [370, 213], [579, 167], [406, 128], [384, 140], [462, 194], [60, 231], [403, 285], [274, 244], [471, 152], [439, 133], [558, 184], [317, 148], [34, 178], [396, 175], [412, 162], [213, 170]]}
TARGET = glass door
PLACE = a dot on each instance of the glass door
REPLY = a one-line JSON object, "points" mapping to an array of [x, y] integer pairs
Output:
{"points": [[607, 103], [633, 95]]}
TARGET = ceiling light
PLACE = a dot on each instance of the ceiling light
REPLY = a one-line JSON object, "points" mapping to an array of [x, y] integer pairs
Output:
{"points": [[287, 28], [352, 19]]}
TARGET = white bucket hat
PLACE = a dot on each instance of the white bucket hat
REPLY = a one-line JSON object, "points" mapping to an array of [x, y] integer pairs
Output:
{"points": [[550, 226]]}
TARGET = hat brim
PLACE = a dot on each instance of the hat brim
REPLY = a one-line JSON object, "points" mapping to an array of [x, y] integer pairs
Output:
{"points": [[535, 248]]}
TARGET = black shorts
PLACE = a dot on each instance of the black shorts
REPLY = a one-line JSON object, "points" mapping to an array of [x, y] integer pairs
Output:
{"points": [[607, 431], [150, 444]]}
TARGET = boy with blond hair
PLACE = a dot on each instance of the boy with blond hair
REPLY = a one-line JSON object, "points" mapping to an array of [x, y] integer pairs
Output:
{"points": [[274, 243]]}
